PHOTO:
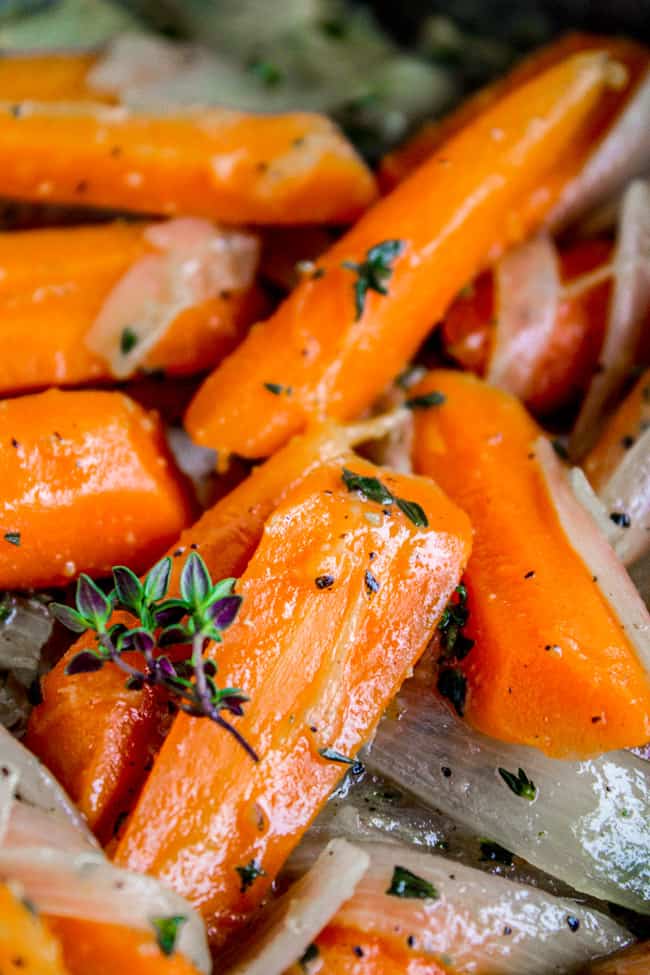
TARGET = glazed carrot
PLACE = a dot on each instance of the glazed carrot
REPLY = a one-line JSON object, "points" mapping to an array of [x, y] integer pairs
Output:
{"points": [[343, 595], [92, 733], [401, 162], [25, 943], [109, 949], [227, 165], [47, 77], [469, 328], [551, 665], [55, 285], [624, 428], [86, 484], [334, 344], [630, 961], [347, 951]]}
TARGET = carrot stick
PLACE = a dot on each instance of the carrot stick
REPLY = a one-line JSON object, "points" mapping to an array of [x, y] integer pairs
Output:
{"points": [[227, 165], [347, 951], [330, 347], [343, 594], [92, 733], [624, 428], [110, 495], [470, 325], [54, 284], [47, 77], [26, 945], [551, 665]]}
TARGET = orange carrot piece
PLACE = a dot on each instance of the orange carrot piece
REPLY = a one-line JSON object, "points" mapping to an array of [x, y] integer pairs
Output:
{"points": [[47, 77], [86, 484], [325, 660], [401, 162], [630, 961], [25, 943], [574, 345], [94, 734], [227, 165], [551, 665], [625, 426], [109, 949], [346, 951], [53, 285], [451, 217]]}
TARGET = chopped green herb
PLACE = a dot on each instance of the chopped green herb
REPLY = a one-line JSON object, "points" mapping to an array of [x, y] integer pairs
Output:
{"points": [[453, 641], [167, 929], [311, 954], [128, 340], [425, 400], [407, 884], [370, 487], [277, 389], [268, 73], [559, 448], [452, 684], [413, 511], [249, 874], [620, 518], [520, 784], [374, 273], [331, 755], [495, 853], [13, 538]]}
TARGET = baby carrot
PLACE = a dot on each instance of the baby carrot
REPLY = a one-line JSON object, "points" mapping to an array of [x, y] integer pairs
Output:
{"points": [[86, 483], [56, 284], [551, 665], [94, 734], [343, 593], [335, 343], [110, 949], [348, 951], [226, 165], [26, 945]]}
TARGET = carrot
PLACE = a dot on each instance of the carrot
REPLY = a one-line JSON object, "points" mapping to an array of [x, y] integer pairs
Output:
{"points": [[227, 165], [47, 77], [630, 961], [109, 949], [343, 595], [345, 951], [624, 428], [86, 483], [551, 665], [26, 945], [469, 327], [54, 284], [94, 734], [401, 162], [331, 347]]}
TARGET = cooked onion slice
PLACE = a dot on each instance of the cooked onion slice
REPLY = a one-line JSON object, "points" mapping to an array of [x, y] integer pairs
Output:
{"points": [[528, 293], [25, 628], [304, 910], [589, 824], [627, 311], [194, 261], [628, 491], [475, 922]]}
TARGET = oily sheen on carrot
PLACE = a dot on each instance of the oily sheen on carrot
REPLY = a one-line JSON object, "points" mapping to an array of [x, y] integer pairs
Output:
{"points": [[551, 665], [86, 484], [26, 945], [347, 951], [451, 216], [94, 734], [320, 660], [53, 285], [218, 163]]}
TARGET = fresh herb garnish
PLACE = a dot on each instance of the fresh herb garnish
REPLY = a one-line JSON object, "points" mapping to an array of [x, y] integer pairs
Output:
{"points": [[311, 954], [559, 448], [407, 884], [249, 874], [620, 518], [167, 929], [268, 73], [201, 614], [374, 273], [425, 400], [494, 853], [278, 389], [452, 684], [372, 489], [128, 340], [453, 641], [520, 784], [331, 755], [13, 538]]}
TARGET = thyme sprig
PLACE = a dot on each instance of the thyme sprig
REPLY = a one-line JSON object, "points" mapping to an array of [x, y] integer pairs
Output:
{"points": [[201, 614], [374, 273]]}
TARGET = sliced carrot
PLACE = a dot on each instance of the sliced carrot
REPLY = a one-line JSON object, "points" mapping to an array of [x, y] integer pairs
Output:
{"points": [[626, 425], [26, 945], [469, 328], [94, 734], [53, 286], [108, 949], [346, 951], [86, 484], [47, 77], [451, 217], [342, 595], [551, 665], [294, 168], [401, 162]]}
